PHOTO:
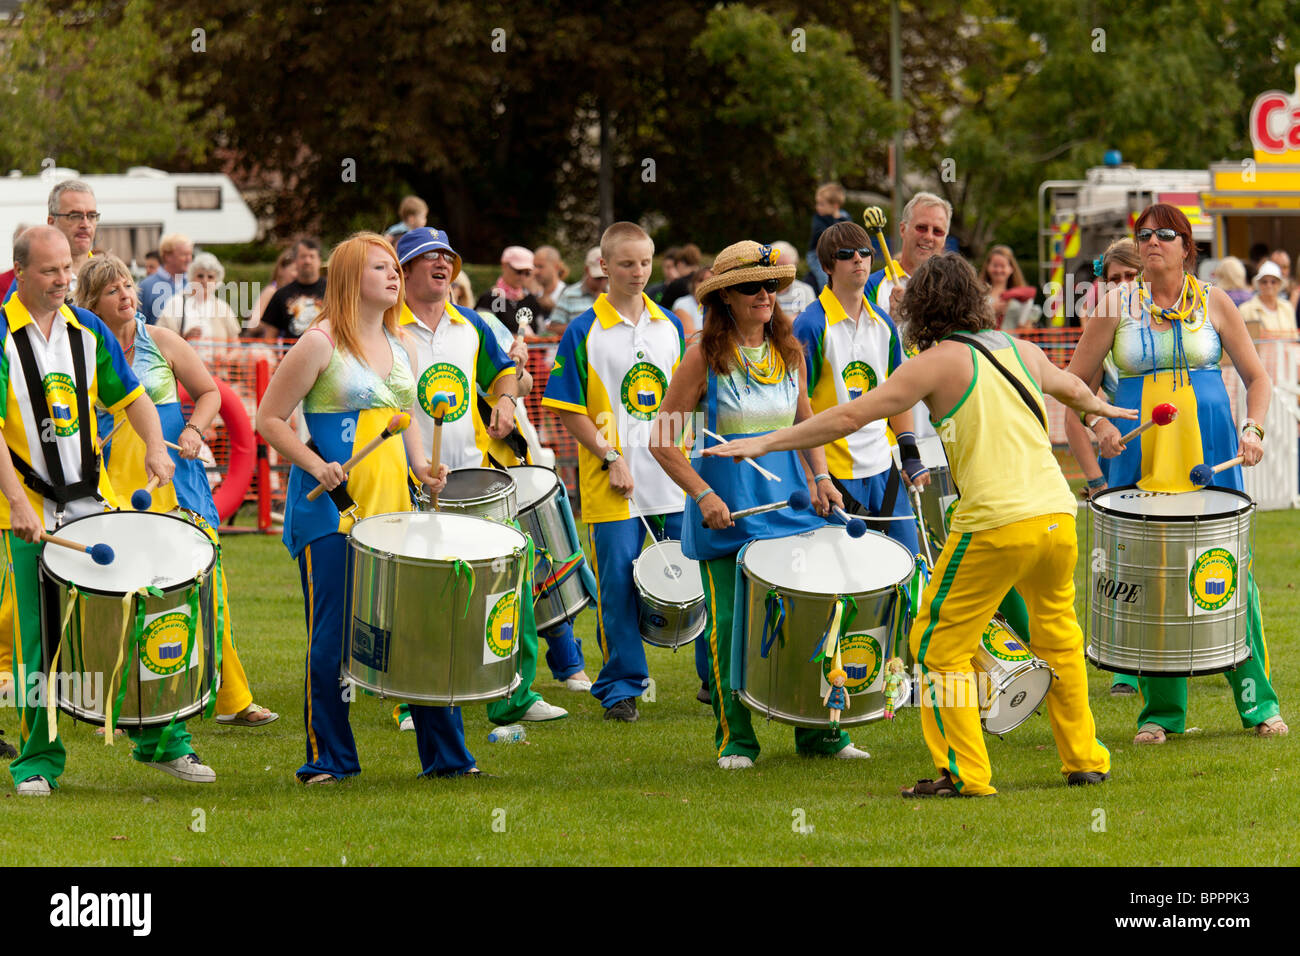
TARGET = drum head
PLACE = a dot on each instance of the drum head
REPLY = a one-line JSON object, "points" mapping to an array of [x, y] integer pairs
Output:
{"points": [[827, 561], [149, 550], [468, 484], [1131, 501], [533, 483], [435, 536], [663, 571]]}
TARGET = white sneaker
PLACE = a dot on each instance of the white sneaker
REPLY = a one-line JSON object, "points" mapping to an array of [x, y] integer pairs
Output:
{"points": [[189, 768], [577, 685], [34, 787], [852, 753], [407, 723], [735, 762], [541, 711]]}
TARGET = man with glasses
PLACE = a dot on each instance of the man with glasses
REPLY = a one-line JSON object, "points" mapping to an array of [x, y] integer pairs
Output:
{"points": [[72, 211], [850, 347], [510, 292], [170, 279], [922, 231]]}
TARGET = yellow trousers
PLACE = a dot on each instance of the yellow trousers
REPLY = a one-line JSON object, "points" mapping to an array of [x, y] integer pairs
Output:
{"points": [[976, 569]]}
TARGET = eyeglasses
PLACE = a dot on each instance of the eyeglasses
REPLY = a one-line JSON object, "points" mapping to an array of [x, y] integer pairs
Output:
{"points": [[78, 216], [751, 288], [844, 255], [1164, 235], [438, 254]]}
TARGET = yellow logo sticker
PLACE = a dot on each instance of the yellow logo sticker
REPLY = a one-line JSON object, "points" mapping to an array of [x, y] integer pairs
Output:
{"points": [[162, 647], [500, 628], [1004, 645], [1213, 580], [861, 657], [61, 393], [444, 377]]}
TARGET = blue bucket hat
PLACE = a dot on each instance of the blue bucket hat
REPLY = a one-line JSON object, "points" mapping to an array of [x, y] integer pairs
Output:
{"points": [[416, 242]]}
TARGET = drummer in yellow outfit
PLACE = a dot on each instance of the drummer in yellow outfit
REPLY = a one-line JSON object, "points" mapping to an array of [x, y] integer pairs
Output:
{"points": [[1013, 527]]}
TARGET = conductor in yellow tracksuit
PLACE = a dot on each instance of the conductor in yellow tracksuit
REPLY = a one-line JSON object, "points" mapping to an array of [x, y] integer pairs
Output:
{"points": [[1013, 527]]}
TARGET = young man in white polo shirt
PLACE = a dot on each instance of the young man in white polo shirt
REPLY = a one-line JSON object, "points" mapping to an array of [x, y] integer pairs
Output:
{"points": [[609, 378]]}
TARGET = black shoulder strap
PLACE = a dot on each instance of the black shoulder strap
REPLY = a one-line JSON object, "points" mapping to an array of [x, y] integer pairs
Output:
{"points": [[1018, 385]]}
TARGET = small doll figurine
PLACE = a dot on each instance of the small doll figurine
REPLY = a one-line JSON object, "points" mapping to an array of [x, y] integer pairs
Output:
{"points": [[837, 699], [894, 680]]}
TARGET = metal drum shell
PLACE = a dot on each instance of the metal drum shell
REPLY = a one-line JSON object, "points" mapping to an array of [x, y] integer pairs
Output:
{"points": [[661, 621], [995, 678], [941, 486], [785, 686], [1158, 635], [480, 492], [434, 654], [544, 522], [92, 645]]}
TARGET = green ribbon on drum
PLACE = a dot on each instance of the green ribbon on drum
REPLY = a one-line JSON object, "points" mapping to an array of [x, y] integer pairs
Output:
{"points": [[460, 570], [843, 611]]}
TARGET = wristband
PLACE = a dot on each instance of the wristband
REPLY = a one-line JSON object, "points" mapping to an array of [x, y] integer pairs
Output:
{"points": [[702, 495], [1095, 422], [513, 401], [821, 477], [1098, 482], [1251, 426], [200, 434], [907, 450]]}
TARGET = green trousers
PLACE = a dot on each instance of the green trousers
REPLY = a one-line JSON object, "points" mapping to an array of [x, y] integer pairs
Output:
{"points": [[512, 708], [733, 724], [39, 756], [1165, 698]]}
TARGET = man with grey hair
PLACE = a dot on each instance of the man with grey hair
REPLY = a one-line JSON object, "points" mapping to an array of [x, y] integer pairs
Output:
{"points": [[922, 231], [170, 279], [798, 295], [72, 211]]}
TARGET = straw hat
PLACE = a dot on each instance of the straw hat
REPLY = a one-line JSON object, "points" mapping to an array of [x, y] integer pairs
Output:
{"points": [[746, 262]]}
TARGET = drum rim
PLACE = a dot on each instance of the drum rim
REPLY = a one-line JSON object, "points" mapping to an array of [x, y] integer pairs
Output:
{"points": [[432, 562], [503, 494], [57, 578], [749, 572], [1246, 508], [644, 589], [552, 492]]}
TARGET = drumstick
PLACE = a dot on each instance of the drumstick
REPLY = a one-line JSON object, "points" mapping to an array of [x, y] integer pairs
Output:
{"points": [[920, 525], [873, 217], [441, 402], [103, 442], [1162, 414], [798, 501], [396, 425], [1204, 474], [100, 553], [857, 527], [749, 461], [142, 498], [172, 444]]}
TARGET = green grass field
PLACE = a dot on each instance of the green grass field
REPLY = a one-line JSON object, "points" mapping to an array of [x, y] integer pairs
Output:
{"points": [[588, 792]]}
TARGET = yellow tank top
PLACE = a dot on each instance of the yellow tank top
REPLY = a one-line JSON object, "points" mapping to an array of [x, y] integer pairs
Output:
{"points": [[999, 453]]}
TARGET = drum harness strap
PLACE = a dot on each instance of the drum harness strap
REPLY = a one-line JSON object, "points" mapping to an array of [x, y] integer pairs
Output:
{"points": [[57, 489], [338, 494], [1018, 385]]}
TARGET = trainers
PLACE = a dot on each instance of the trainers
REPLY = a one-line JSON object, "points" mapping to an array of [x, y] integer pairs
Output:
{"points": [[1122, 690], [703, 695], [735, 762], [624, 710], [851, 753], [189, 768], [1081, 778], [34, 787], [406, 723], [541, 710], [7, 751]]}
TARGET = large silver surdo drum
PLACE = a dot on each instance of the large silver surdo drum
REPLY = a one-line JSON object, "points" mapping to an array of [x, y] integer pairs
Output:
{"points": [[1167, 590], [790, 588], [545, 514], [435, 607]]}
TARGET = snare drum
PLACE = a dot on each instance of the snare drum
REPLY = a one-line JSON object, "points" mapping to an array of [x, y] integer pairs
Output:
{"points": [[164, 641], [1167, 592], [669, 595], [939, 497], [545, 514], [1012, 681], [790, 587], [435, 607], [480, 492]]}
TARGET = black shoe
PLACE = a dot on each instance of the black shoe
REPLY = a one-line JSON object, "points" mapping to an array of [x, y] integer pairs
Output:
{"points": [[1082, 778], [703, 695], [624, 710], [1122, 690], [7, 751]]}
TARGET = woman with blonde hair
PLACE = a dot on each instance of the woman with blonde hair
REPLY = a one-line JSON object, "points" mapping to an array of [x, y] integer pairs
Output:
{"points": [[1230, 276], [351, 371]]}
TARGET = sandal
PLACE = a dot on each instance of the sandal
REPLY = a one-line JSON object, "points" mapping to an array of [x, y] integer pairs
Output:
{"points": [[318, 778], [943, 787], [254, 715], [1273, 727], [1150, 734]]}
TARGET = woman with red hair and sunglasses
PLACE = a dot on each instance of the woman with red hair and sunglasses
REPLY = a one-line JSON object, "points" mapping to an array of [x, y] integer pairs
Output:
{"points": [[1167, 334]]}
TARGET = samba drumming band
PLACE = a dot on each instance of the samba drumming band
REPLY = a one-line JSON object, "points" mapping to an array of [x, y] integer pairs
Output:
{"points": [[352, 372], [1166, 335], [742, 378], [160, 359], [1018, 532], [57, 362], [610, 375]]}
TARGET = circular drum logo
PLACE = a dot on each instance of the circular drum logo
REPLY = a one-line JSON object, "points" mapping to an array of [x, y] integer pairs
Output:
{"points": [[643, 389], [1004, 645], [501, 626], [61, 393], [444, 377], [162, 646], [860, 654], [859, 378], [1213, 580]]}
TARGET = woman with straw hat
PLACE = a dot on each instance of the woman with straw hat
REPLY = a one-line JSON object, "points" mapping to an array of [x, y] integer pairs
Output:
{"points": [[742, 377]]}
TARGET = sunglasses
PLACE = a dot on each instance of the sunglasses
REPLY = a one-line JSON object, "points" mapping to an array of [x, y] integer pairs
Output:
{"points": [[751, 288], [439, 254], [844, 255], [1164, 235]]}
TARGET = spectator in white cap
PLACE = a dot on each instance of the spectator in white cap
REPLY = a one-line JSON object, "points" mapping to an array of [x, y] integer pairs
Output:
{"points": [[1275, 315], [510, 292], [798, 295], [578, 297]]}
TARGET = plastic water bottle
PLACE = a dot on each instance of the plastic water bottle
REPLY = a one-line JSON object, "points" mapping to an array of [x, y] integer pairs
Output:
{"points": [[507, 735]]}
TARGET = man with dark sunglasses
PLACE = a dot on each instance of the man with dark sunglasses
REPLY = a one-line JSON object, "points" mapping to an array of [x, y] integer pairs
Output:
{"points": [[851, 347]]}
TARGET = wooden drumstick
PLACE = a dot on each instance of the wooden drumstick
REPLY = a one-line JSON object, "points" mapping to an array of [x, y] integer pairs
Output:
{"points": [[100, 553], [441, 402], [749, 461], [873, 217], [1162, 414], [173, 445], [1204, 474], [396, 425], [103, 442]]}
